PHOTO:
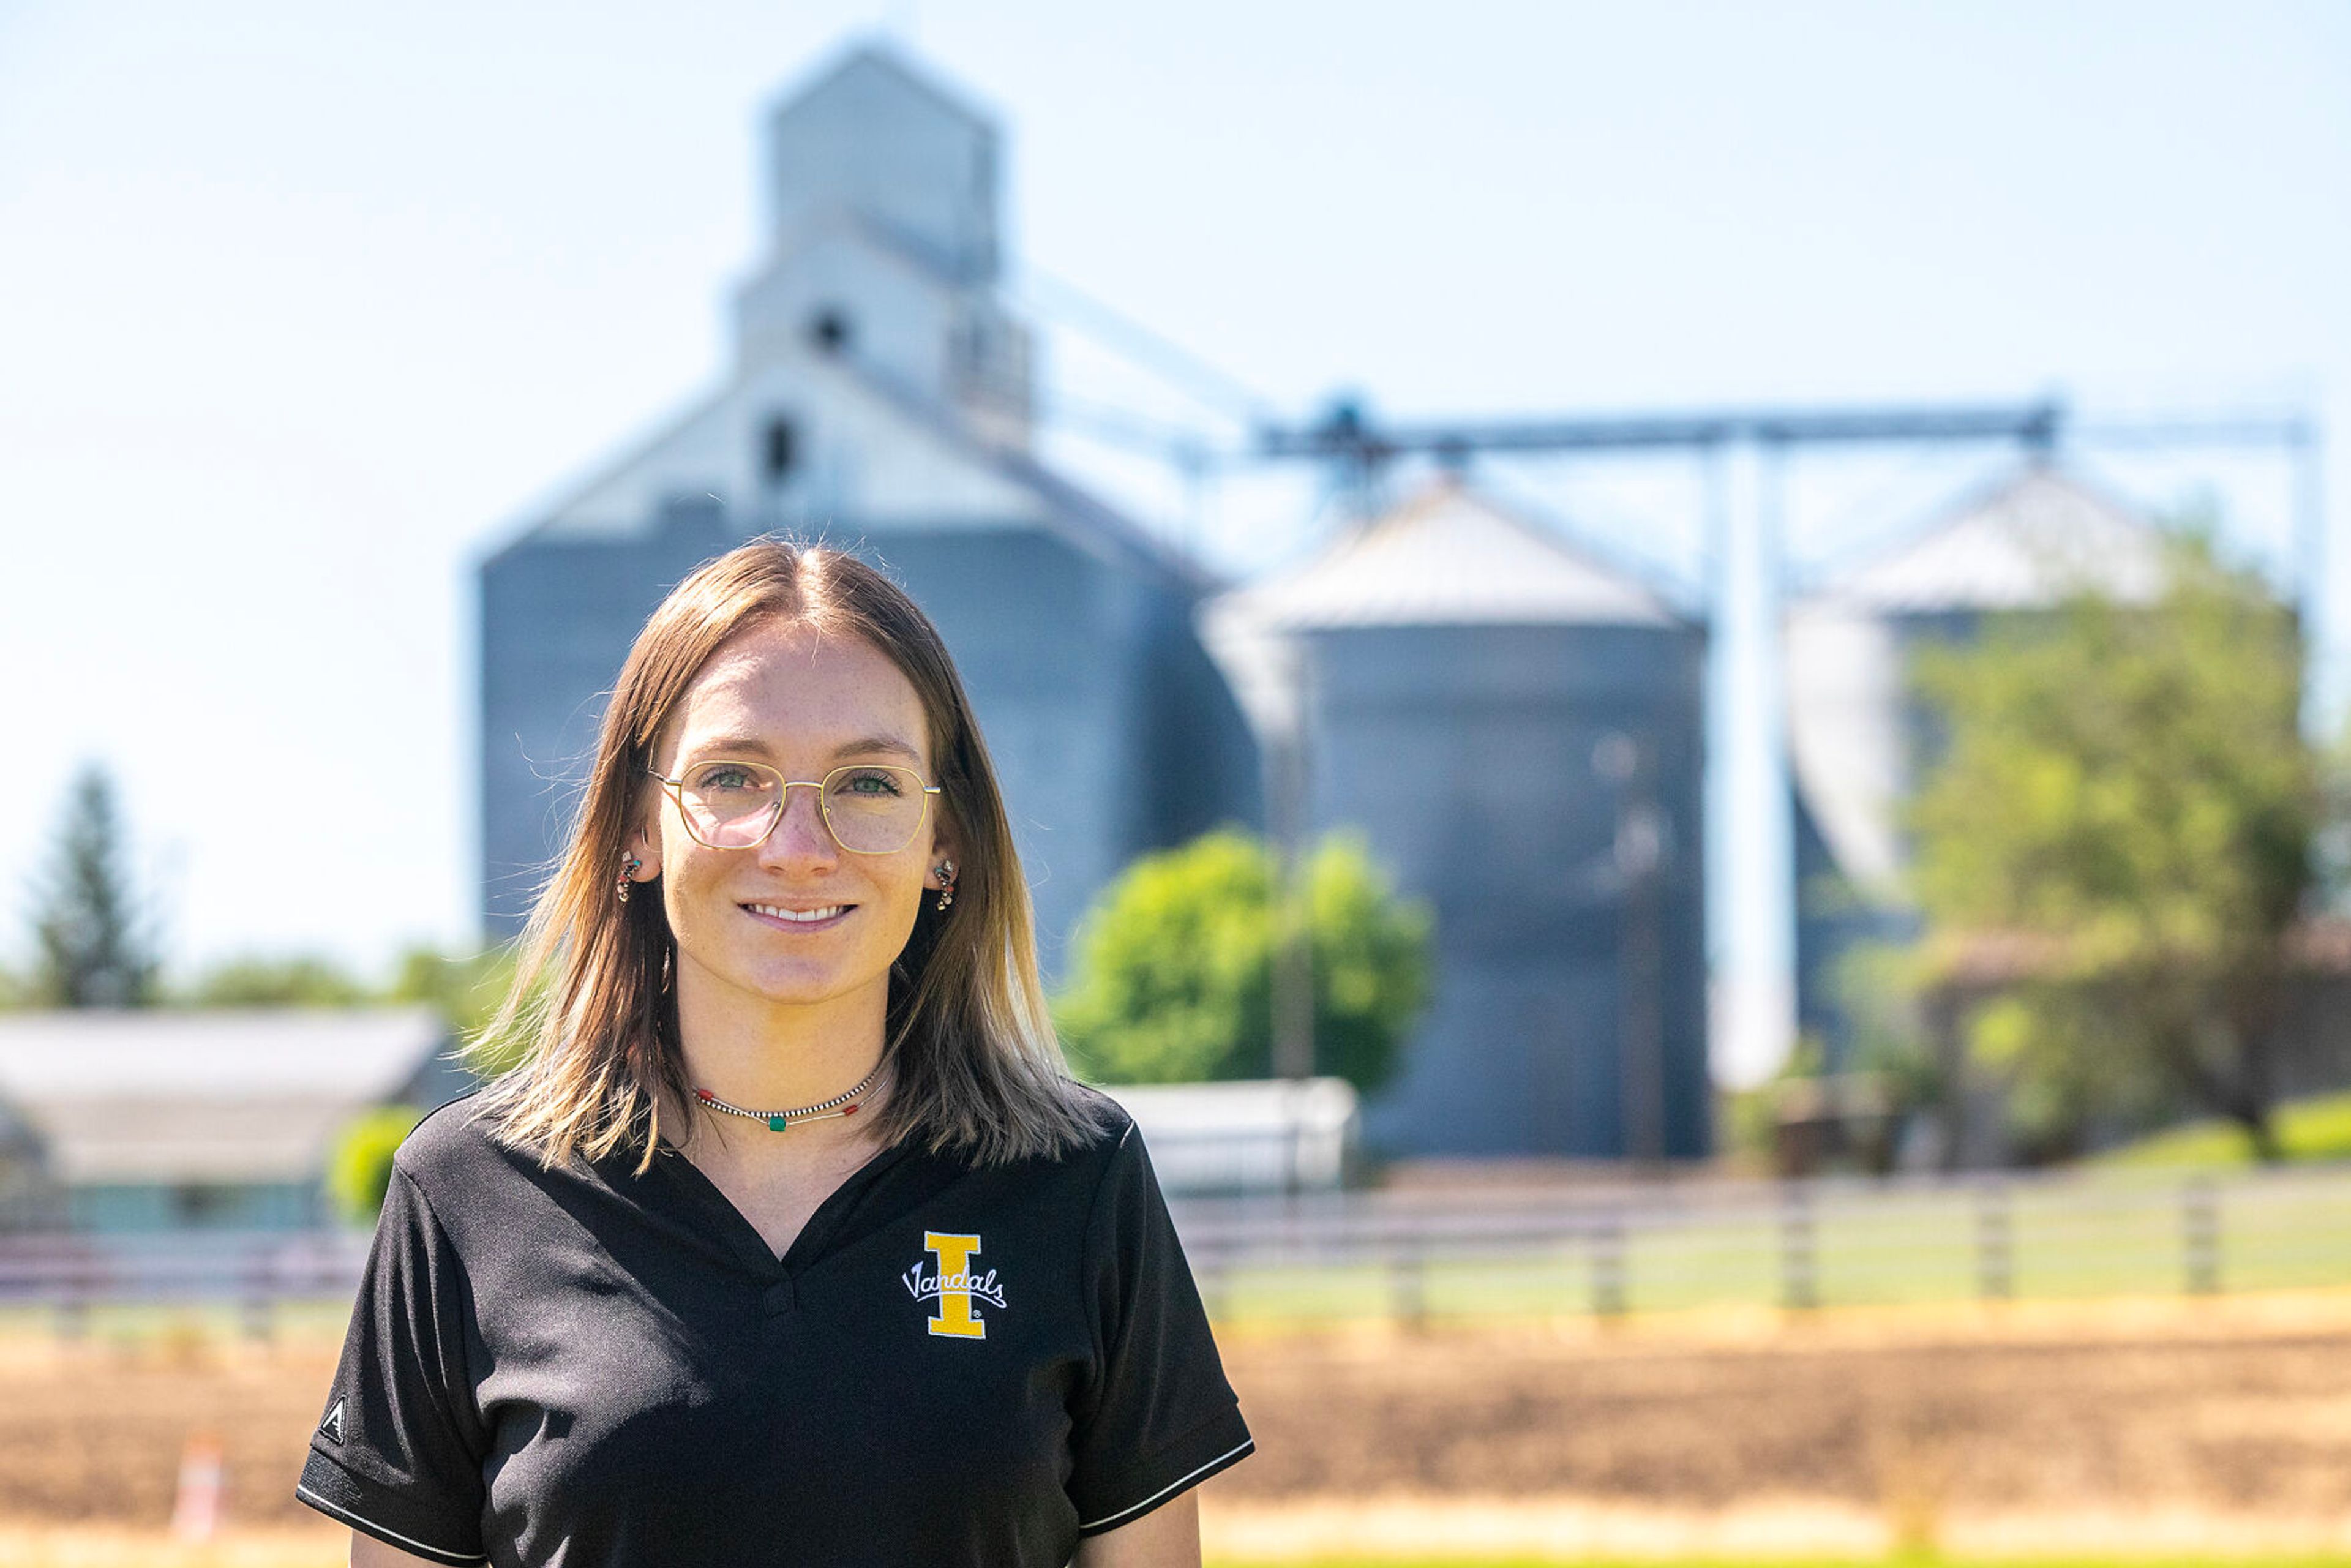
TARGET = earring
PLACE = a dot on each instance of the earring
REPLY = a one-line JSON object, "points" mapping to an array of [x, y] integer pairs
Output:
{"points": [[628, 872], [946, 884]]}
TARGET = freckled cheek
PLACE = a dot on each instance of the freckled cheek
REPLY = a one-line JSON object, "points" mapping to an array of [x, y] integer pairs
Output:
{"points": [[887, 901], [692, 897]]}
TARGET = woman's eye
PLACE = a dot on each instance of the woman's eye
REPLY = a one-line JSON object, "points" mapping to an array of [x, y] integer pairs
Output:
{"points": [[878, 781], [724, 775]]}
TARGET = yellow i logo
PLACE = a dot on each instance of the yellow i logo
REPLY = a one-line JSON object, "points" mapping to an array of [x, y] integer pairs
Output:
{"points": [[954, 1285]]}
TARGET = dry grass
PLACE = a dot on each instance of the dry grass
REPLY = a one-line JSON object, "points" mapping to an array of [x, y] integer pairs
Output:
{"points": [[118, 1546], [2239, 1407], [94, 1434], [2159, 1426], [2153, 1426], [1404, 1527]]}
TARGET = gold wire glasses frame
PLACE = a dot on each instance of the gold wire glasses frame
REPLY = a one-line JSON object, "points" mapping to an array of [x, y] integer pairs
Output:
{"points": [[743, 814]]}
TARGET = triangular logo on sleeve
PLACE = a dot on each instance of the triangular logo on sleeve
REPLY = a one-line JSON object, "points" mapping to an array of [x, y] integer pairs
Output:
{"points": [[332, 1427]]}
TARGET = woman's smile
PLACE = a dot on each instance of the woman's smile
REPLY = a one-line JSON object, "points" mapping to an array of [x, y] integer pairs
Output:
{"points": [[799, 921]]}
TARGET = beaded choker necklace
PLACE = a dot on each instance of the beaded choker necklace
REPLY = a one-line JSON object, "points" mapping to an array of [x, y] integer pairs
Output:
{"points": [[843, 1104]]}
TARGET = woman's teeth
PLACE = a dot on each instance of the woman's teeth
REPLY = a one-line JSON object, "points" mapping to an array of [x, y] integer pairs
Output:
{"points": [[803, 916]]}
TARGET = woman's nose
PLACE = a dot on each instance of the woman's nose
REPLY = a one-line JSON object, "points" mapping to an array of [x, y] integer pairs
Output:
{"points": [[800, 833]]}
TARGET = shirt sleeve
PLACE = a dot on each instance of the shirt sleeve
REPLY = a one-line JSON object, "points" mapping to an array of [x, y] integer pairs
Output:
{"points": [[1157, 1415], [397, 1453]]}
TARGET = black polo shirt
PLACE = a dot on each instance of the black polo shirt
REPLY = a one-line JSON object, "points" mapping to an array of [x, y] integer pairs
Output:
{"points": [[950, 1366]]}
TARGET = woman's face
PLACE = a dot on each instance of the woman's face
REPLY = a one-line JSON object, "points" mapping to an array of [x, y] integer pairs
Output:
{"points": [[804, 704]]}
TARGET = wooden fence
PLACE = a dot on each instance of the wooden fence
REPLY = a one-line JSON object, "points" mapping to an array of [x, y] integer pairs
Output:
{"points": [[1486, 1252], [1546, 1252]]}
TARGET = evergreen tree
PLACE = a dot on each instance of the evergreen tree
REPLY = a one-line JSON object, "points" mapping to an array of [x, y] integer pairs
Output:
{"points": [[93, 943]]}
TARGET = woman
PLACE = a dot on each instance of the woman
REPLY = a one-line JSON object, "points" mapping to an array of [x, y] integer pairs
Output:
{"points": [[789, 1240]]}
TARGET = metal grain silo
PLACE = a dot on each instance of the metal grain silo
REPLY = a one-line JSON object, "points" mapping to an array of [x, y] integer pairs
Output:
{"points": [[879, 399], [1516, 730], [1858, 738]]}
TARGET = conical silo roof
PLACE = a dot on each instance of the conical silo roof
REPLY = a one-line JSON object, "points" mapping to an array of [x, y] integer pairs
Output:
{"points": [[2027, 541], [2022, 543], [1449, 556]]}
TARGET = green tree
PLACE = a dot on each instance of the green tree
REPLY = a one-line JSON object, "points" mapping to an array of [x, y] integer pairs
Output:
{"points": [[93, 939], [464, 989], [359, 1168], [1174, 976], [2127, 799], [301, 981]]}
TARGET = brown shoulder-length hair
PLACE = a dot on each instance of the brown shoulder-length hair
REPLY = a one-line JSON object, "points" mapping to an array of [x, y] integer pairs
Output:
{"points": [[975, 1066]]}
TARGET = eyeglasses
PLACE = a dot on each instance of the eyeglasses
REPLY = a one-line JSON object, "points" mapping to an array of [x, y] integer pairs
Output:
{"points": [[871, 808]]}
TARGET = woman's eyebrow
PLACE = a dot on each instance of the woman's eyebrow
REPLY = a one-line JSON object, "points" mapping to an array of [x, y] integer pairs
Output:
{"points": [[751, 745], [726, 745], [866, 745]]}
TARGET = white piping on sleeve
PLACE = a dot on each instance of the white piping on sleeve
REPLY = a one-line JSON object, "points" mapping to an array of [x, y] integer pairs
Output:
{"points": [[315, 1500], [1245, 1444]]}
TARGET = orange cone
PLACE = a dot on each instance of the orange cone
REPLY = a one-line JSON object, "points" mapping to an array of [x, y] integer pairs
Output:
{"points": [[196, 1513]]}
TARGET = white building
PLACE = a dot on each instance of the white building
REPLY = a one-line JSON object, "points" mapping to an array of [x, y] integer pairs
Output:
{"points": [[152, 1120]]}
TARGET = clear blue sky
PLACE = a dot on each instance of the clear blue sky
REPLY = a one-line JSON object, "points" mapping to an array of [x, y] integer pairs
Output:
{"points": [[301, 306]]}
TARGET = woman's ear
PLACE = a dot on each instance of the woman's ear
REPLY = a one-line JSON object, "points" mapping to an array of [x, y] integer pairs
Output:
{"points": [[642, 847], [945, 850]]}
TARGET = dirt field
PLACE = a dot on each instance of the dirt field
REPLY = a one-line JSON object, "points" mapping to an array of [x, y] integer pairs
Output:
{"points": [[2228, 1424], [2245, 1409]]}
